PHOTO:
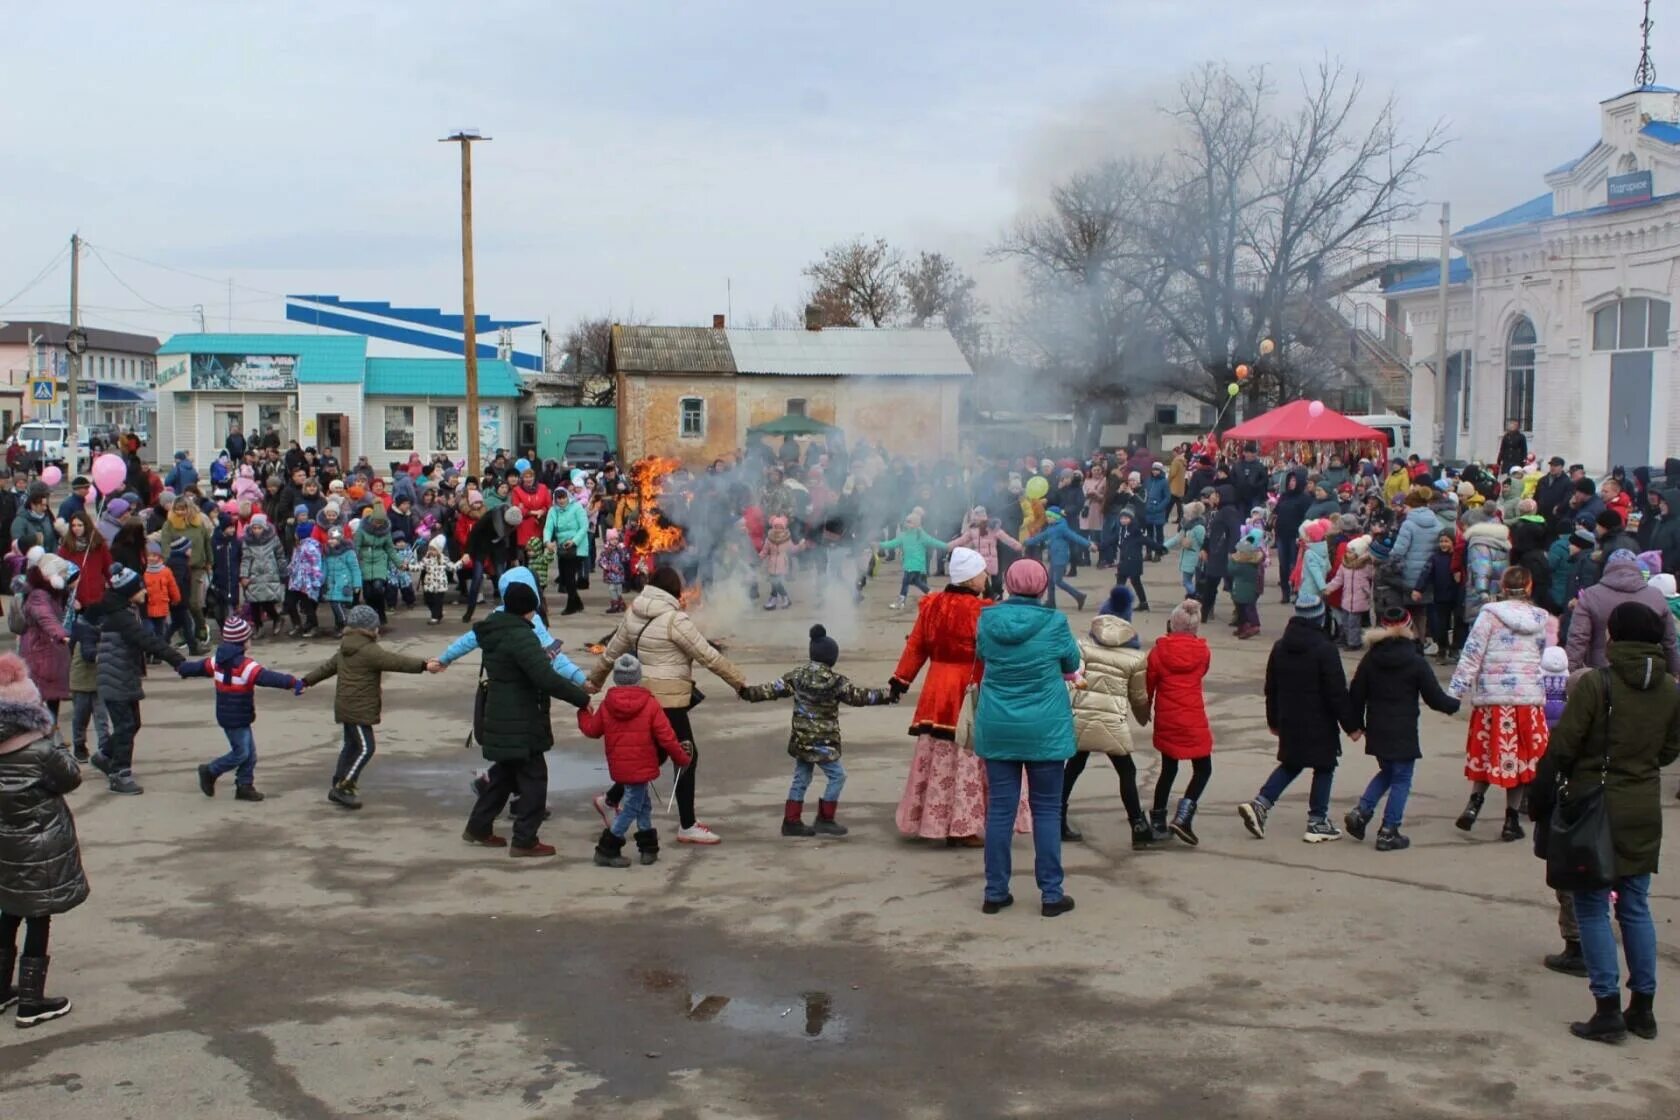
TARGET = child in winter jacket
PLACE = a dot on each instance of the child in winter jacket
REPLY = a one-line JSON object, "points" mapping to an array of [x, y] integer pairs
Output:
{"points": [[225, 553], [124, 645], [163, 594], [1438, 588], [915, 543], [237, 678], [983, 535], [1177, 665], [85, 705], [436, 570], [1313, 564], [613, 564], [1128, 556], [1248, 582], [360, 665], [401, 585], [777, 555], [1554, 682], [304, 576], [341, 578], [262, 566], [1354, 581], [1060, 541], [638, 736], [817, 692], [40, 859], [1188, 541], [1392, 677], [1110, 694]]}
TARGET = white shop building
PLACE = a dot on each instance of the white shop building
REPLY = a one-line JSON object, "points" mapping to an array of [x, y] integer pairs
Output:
{"points": [[1560, 310], [325, 392]]}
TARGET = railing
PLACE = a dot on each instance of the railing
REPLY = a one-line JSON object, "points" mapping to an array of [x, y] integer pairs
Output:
{"points": [[1383, 332]]}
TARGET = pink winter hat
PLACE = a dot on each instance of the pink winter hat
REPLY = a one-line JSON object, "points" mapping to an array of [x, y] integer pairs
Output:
{"points": [[15, 685], [1314, 532]]}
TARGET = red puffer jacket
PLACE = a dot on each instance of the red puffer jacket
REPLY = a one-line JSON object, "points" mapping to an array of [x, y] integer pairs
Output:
{"points": [[636, 730], [1177, 665]]}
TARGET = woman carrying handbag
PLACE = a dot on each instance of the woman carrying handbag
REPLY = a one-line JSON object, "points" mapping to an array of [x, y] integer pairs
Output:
{"points": [[1620, 726]]}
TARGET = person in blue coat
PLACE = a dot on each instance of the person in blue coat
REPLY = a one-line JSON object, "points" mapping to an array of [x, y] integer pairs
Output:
{"points": [[1062, 540], [557, 660], [1023, 720], [1157, 502], [182, 475]]}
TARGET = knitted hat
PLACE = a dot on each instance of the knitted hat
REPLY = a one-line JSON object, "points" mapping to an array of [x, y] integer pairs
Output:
{"points": [[305, 530], [438, 543], [362, 617], [1314, 532], [117, 508], [1583, 538], [964, 564], [1309, 606], [824, 648], [1554, 660], [15, 685], [1465, 490], [978, 513], [154, 547], [1185, 618], [55, 570], [1348, 523], [1394, 618], [236, 630], [1665, 583], [39, 491], [519, 599], [628, 671], [259, 519], [126, 582], [512, 515], [1620, 556], [1026, 578]]}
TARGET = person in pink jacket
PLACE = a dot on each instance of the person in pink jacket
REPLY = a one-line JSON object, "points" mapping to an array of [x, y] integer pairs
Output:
{"points": [[1356, 580], [983, 538], [777, 555]]}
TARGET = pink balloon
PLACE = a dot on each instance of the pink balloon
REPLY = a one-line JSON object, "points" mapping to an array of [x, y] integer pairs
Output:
{"points": [[109, 472], [1315, 409], [52, 476]]}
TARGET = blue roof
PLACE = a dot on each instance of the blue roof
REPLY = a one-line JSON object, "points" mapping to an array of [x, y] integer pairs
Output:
{"points": [[1534, 210], [1574, 163], [321, 358], [438, 377], [1663, 131], [1427, 277]]}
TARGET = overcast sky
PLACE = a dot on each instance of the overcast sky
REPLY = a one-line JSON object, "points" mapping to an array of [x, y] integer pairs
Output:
{"points": [[647, 153]]}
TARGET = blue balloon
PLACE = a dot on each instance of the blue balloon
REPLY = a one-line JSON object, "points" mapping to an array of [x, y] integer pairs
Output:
{"points": [[522, 465]]}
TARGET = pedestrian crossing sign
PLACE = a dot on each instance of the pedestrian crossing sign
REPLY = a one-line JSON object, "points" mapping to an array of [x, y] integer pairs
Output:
{"points": [[43, 390]]}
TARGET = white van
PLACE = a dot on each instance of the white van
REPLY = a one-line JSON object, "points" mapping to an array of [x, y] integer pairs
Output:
{"points": [[1398, 429], [43, 439]]}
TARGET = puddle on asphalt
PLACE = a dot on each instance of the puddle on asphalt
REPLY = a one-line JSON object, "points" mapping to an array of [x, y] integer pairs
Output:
{"points": [[451, 782], [808, 1015]]}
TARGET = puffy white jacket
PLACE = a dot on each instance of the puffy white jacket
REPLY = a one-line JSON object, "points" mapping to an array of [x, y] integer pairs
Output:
{"points": [[668, 644], [1500, 664], [1116, 689]]}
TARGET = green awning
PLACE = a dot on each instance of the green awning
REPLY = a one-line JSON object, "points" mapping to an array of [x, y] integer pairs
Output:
{"points": [[792, 426]]}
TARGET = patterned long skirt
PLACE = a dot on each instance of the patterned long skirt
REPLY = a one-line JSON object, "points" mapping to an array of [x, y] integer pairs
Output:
{"points": [[1505, 744], [945, 793]]}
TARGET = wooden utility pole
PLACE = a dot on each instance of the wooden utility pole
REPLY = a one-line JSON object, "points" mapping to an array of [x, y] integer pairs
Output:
{"points": [[75, 347], [466, 137]]}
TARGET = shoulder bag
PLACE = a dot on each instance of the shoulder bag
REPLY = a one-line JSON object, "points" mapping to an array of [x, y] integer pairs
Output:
{"points": [[1580, 852], [695, 696]]}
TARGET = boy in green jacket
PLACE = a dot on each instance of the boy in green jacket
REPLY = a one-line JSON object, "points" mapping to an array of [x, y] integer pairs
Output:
{"points": [[916, 542], [359, 665]]}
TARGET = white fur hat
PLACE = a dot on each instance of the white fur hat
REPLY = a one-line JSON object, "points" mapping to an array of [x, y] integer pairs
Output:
{"points": [[1664, 583]]}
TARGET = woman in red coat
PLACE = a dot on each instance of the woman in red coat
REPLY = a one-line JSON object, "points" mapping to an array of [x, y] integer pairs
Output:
{"points": [[945, 793], [533, 500], [1177, 665], [84, 547]]}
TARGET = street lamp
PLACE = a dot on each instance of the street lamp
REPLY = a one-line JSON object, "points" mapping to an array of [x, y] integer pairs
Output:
{"points": [[467, 137]]}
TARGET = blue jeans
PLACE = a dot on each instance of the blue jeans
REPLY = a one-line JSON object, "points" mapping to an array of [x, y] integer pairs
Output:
{"points": [[241, 757], [802, 771], [1109, 543], [1639, 936], [637, 806], [912, 579], [1318, 801], [1393, 777], [1003, 800], [1058, 578], [1188, 579]]}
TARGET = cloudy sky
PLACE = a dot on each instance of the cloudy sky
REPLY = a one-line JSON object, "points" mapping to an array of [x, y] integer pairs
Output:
{"points": [[647, 156]]}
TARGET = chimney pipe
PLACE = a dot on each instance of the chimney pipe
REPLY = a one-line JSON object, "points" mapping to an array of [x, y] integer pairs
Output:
{"points": [[717, 322], [813, 317]]}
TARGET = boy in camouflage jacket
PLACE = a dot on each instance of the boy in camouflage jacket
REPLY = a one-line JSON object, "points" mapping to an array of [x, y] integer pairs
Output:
{"points": [[817, 691]]}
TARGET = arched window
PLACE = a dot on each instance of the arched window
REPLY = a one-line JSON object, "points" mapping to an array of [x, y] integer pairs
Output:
{"points": [[1628, 165], [1519, 374], [1631, 324]]}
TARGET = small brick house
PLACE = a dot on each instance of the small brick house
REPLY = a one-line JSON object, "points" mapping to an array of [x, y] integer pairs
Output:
{"points": [[691, 393]]}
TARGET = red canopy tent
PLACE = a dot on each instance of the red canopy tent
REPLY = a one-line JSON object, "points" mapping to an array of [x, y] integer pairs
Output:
{"points": [[1293, 422]]}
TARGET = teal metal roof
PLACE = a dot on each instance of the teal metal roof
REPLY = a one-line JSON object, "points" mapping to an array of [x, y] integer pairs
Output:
{"points": [[438, 377], [322, 358]]}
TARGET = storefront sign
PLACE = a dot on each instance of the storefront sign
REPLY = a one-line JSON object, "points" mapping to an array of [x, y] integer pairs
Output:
{"points": [[244, 372], [1630, 190]]}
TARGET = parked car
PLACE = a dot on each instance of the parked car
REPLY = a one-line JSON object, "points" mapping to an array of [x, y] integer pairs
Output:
{"points": [[44, 440], [586, 451], [1398, 429]]}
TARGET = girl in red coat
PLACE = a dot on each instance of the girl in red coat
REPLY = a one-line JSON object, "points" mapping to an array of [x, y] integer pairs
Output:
{"points": [[83, 546], [533, 499], [636, 730], [1177, 665]]}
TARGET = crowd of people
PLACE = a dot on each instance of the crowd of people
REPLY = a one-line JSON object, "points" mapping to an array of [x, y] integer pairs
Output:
{"points": [[1553, 599]]}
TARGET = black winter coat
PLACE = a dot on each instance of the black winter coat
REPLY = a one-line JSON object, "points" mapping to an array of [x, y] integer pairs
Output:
{"points": [[1392, 677], [516, 722], [1251, 480], [1292, 506], [40, 860], [123, 646], [1307, 697], [1223, 530]]}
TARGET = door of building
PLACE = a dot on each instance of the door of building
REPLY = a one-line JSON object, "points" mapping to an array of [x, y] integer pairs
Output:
{"points": [[332, 433], [1449, 416], [1630, 409]]}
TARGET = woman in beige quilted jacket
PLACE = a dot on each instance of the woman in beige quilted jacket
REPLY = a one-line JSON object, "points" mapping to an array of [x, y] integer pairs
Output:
{"points": [[1109, 694], [668, 643]]}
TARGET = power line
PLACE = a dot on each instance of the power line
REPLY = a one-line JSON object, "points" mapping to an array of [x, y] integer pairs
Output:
{"points": [[58, 259], [219, 281], [100, 257]]}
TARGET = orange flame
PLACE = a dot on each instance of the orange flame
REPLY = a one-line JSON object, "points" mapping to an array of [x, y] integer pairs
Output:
{"points": [[646, 476]]}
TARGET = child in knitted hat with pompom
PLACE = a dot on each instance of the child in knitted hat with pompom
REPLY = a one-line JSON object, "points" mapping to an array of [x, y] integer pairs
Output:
{"points": [[40, 859], [817, 692], [237, 678]]}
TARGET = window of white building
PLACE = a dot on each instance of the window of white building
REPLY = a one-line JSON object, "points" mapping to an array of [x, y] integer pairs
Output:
{"points": [[1631, 324], [446, 427], [399, 427], [692, 424], [1519, 374]]}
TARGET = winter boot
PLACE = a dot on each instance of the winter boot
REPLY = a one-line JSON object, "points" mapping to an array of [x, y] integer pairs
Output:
{"points": [[1606, 1025], [1390, 840], [1253, 814], [123, 782], [34, 1007], [1182, 821], [1638, 1015], [826, 824], [1158, 830], [206, 781], [1472, 809], [793, 820], [247, 793], [647, 843], [1356, 820], [1142, 835], [609, 850], [344, 796], [1513, 829], [1570, 962], [8, 965]]}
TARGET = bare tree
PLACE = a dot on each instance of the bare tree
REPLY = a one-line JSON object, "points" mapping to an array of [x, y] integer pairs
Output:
{"points": [[939, 293], [582, 360], [858, 281]]}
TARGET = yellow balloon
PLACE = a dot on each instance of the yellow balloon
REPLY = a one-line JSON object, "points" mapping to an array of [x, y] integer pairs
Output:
{"points": [[1267, 346], [1037, 487], [1232, 389]]}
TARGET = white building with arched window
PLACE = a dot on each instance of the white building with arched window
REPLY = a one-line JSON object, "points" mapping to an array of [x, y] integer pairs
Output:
{"points": [[1560, 311]]}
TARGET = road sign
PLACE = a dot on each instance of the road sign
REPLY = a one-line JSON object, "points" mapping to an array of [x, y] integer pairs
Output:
{"points": [[43, 390]]}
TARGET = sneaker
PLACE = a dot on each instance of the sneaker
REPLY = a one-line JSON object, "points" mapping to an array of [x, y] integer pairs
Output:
{"points": [[536, 851], [100, 762], [491, 840], [606, 808], [1390, 840], [698, 834], [206, 781], [123, 782], [247, 793], [433, 621], [1253, 816], [344, 796], [1318, 831], [1056, 909]]}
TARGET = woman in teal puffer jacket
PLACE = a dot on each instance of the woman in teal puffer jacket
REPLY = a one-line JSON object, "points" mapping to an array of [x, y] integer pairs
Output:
{"points": [[1023, 719]]}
